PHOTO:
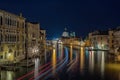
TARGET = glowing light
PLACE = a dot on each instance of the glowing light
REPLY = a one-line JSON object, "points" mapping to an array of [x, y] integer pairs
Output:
{"points": [[35, 50], [9, 54], [54, 60], [81, 59], [102, 63], [10, 57]]}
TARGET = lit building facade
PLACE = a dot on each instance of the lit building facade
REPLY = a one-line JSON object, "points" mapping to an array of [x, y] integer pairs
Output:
{"points": [[99, 39], [116, 36], [32, 38], [12, 37], [111, 39], [114, 42], [42, 45]]}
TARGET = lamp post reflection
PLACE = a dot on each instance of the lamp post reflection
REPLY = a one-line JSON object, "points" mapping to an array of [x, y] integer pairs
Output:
{"points": [[37, 61]]}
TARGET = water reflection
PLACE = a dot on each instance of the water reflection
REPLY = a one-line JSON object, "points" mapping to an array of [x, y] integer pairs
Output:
{"points": [[54, 60], [102, 63], [71, 52], [119, 76], [60, 51], [37, 64], [98, 58], [7, 75], [81, 60], [91, 61]]}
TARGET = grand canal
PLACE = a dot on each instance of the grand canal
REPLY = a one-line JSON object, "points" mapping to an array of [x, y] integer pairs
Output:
{"points": [[69, 63]]}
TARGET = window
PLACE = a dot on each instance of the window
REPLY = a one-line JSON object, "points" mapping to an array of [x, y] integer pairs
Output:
{"points": [[1, 48], [94, 38], [107, 40], [1, 38], [17, 38], [23, 25], [5, 55], [112, 41], [15, 54], [18, 53], [17, 24], [6, 21], [101, 38], [5, 38], [1, 20], [10, 22], [1, 56]]}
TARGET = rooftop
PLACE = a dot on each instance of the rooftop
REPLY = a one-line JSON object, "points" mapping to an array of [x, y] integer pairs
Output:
{"points": [[100, 33], [20, 16]]}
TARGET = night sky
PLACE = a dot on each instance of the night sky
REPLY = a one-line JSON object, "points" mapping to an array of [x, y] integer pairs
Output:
{"points": [[81, 16]]}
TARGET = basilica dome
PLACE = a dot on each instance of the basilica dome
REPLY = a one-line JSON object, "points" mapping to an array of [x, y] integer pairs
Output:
{"points": [[65, 33]]}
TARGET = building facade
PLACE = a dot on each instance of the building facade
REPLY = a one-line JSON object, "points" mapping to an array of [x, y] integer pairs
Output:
{"points": [[42, 45], [111, 39], [99, 39], [12, 37], [32, 38], [116, 45]]}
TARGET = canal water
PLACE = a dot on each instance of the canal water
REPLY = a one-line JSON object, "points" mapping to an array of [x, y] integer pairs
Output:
{"points": [[88, 65], [80, 64]]}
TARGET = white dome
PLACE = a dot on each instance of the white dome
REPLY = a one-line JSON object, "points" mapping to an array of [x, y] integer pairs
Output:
{"points": [[65, 33]]}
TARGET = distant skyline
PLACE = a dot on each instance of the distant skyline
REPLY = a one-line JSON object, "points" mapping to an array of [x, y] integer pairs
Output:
{"points": [[81, 16]]}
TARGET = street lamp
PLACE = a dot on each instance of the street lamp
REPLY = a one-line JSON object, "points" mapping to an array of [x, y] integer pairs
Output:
{"points": [[35, 51], [9, 57]]}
